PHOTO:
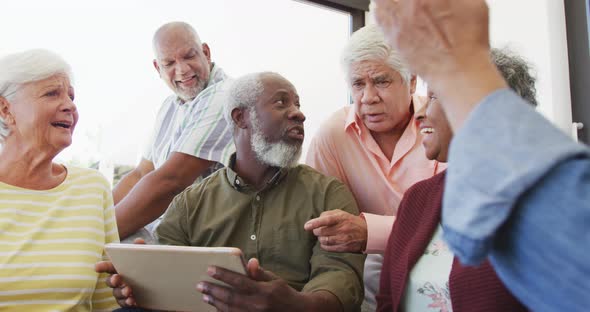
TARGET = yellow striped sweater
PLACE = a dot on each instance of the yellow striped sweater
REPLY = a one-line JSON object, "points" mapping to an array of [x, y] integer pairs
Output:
{"points": [[50, 241]]}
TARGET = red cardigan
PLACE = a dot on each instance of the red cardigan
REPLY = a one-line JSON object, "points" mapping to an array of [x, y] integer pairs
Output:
{"points": [[471, 288]]}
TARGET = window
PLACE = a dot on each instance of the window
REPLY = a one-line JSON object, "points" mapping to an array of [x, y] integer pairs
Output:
{"points": [[118, 92]]}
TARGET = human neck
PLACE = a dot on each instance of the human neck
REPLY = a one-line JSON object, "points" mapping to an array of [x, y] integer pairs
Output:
{"points": [[29, 167], [387, 141], [252, 170]]}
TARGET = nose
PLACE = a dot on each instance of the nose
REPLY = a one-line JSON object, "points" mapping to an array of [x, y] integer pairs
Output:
{"points": [[296, 114], [420, 115], [181, 67], [68, 106], [370, 95]]}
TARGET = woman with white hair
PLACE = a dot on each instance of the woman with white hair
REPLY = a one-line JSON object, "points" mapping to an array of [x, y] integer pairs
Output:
{"points": [[373, 147], [54, 219]]}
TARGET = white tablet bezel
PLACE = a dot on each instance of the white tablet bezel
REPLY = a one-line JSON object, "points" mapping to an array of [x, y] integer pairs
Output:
{"points": [[165, 277]]}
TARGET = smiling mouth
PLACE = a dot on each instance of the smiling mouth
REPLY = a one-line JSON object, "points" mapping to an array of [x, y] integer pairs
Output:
{"points": [[187, 80], [60, 124], [427, 130]]}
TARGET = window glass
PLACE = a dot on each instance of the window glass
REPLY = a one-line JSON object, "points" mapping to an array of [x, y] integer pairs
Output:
{"points": [[118, 92]]}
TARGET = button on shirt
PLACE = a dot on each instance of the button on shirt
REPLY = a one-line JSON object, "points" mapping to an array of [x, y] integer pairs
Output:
{"points": [[223, 210]]}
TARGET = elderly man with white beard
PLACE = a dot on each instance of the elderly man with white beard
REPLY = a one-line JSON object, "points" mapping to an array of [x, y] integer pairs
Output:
{"points": [[259, 203]]}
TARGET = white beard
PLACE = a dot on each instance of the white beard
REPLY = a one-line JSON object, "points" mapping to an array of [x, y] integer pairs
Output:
{"points": [[279, 154]]}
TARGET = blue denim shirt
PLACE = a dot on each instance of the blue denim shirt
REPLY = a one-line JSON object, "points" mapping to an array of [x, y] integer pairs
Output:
{"points": [[518, 192]]}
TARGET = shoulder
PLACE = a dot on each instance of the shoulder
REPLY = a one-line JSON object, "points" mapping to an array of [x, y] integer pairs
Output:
{"points": [[326, 192], [209, 184], [306, 173], [317, 181], [168, 102], [215, 90], [333, 126], [88, 181], [86, 175], [434, 184], [425, 193]]}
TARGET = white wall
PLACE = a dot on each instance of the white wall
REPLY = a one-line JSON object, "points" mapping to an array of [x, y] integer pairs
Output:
{"points": [[536, 30]]}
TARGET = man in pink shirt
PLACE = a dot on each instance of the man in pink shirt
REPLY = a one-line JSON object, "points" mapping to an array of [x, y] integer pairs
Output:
{"points": [[373, 146]]}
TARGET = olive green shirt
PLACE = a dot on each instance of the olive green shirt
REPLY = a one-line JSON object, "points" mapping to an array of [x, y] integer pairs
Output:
{"points": [[223, 210]]}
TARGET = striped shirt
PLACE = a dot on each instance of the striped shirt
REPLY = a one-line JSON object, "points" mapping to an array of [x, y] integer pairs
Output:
{"points": [[197, 128], [50, 241]]}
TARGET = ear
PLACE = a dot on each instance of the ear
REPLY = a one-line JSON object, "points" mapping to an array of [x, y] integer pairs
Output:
{"points": [[156, 66], [5, 111], [413, 81], [207, 52], [240, 117]]}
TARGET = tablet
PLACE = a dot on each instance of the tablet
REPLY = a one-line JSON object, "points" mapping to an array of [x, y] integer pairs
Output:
{"points": [[165, 277]]}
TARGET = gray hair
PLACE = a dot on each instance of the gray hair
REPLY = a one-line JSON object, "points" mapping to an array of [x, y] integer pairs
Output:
{"points": [[516, 72], [28, 66], [368, 44], [244, 92]]}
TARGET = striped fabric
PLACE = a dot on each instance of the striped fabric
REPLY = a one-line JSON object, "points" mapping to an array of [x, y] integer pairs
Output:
{"points": [[197, 128], [50, 241]]}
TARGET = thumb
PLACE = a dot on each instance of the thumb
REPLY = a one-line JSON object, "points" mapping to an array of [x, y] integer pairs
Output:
{"points": [[256, 272]]}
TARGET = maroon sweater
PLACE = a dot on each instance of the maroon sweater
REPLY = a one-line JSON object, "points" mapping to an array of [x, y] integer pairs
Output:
{"points": [[471, 288]]}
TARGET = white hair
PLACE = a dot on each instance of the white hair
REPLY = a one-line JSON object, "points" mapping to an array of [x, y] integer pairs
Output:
{"points": [[277, 154], [243, 93], [28, 66], [368, 44]]}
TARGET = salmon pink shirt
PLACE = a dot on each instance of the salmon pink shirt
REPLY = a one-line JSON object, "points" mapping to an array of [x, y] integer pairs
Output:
{"points": [[344, 148]]}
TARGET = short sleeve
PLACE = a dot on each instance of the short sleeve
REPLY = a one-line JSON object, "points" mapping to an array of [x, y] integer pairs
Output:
{"points": [[205, 132]]}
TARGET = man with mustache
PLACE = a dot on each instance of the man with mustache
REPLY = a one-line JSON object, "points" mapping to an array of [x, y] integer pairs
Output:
{"points": [[191, 139], [259, 203]]}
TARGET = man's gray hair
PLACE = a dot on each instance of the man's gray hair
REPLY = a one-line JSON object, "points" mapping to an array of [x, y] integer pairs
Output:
{"points": [[28, 66], [516, 72], [243, 92], [368, 44]]}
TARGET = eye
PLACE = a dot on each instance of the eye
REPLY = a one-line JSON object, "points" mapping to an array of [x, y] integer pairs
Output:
{"points": [[52, 93], [383, 83], [168, 64], [190, 56], [358, 84]]}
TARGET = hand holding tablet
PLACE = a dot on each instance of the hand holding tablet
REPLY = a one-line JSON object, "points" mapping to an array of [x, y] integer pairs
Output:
{"points": [[164, 277]]}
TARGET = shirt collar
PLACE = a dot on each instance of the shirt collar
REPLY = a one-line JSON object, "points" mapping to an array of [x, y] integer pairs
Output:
{"points": [[240, 185]]}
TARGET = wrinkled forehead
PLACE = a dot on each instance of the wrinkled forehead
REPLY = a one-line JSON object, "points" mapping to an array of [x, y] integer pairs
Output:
{"points": [[175, 42], [56, 80], [372, 68], [274, 83]]}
